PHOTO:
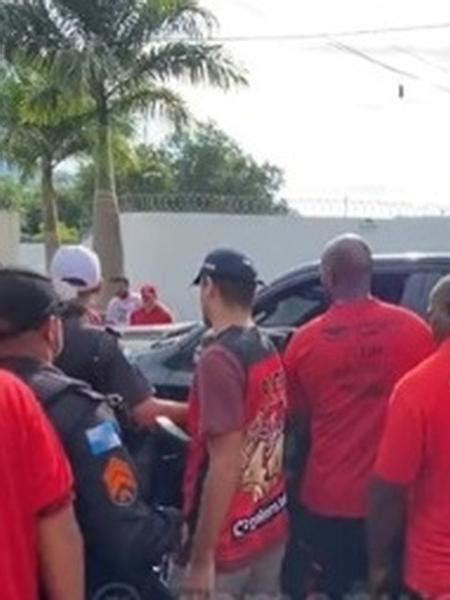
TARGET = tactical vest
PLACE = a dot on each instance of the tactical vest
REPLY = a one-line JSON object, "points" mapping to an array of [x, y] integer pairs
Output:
{"points": [[257, 518], [50, 385]]}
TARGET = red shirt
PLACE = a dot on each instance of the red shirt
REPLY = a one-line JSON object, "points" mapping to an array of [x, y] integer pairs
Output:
{"points": [[35, 480], [159, 315], [415, 452], [341, 370]]}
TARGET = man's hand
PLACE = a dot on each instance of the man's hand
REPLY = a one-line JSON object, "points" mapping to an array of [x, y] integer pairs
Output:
{"points": [[146, 413], [199, 581]]}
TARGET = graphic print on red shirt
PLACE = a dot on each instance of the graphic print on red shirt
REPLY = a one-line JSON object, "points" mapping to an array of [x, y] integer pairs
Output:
{"points": [[341, 370]]}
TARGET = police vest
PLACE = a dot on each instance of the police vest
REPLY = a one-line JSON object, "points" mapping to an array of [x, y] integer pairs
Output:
{"points": [[257, 518]]}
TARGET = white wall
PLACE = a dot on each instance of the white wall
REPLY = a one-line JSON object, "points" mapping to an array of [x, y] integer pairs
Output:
{"points": [[9, 237], [167, 249], [32, 256]]}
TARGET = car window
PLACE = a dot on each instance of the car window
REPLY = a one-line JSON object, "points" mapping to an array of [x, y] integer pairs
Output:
{"points": [[292, 306], [417, 291], [389, 287], [411, 290]]}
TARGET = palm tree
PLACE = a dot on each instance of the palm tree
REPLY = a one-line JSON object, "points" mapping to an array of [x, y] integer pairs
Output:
{"points": [[121, 54], [32, 142]]}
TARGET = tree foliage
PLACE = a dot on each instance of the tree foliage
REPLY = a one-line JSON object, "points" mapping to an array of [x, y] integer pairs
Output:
{"points": [[116, 56], [204, 169]]}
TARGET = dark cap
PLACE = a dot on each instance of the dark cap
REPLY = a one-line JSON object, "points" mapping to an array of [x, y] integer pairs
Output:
{"points": [[27, 299], [228, 264]]}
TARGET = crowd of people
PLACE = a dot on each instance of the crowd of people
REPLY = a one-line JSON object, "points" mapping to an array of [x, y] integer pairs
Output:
{"points": [[359, 398], [81, 267]]}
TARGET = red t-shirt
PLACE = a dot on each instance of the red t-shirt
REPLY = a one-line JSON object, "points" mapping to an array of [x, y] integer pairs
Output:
{"points": [[160, 315], [415, 452], [341, 370], [35, 481]]}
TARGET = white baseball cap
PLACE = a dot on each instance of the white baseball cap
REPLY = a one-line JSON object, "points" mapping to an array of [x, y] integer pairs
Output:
{"points": [[77, 266]]}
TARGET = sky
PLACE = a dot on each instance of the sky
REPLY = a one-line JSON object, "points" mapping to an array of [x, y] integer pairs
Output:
{"points": [[332, 121]]}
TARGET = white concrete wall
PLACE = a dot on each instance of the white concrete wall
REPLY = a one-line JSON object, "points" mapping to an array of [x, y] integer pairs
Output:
{"points": [[9, 237], [167, 249], [32, 256]]}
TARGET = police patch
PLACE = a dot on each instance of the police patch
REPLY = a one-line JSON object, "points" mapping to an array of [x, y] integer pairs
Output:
{"points": [[103, 438], [120, 482]]}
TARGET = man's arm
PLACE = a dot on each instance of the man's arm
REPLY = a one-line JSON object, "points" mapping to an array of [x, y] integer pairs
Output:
{"points": [[146, 412], [60, 550], [399, 461], [225, 461], [385, 529]]}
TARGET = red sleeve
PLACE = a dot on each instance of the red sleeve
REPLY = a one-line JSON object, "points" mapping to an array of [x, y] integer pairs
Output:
{"points": [[293, 359], [221, 382], [401, 450], [51, 478], [134, 317]]}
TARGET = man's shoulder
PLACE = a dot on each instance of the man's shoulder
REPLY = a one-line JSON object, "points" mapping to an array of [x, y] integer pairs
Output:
{"points": [[114, 300], [306, 332], [15, 393], [420, 378], [402, 313], [248, 345], [8, 380]]}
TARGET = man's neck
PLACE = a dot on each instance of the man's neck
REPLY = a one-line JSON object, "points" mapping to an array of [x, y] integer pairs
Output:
{"points": [[225, 321], [347, 298], [24, 355]]}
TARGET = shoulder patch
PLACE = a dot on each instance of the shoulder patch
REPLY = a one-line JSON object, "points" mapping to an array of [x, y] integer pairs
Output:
{"points": [[120, 482], [103, 438]]}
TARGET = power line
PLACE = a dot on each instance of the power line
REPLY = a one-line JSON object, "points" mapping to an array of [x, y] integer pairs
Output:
{"points": [[384, 65], [420, 58], [287, 37]]}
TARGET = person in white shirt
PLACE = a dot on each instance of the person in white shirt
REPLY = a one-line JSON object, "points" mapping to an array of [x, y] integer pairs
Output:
{"points": [[123, 304]]}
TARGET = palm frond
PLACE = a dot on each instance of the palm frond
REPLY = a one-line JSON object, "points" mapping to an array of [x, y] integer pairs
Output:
{"points": [[158, 101], [196, 62]]}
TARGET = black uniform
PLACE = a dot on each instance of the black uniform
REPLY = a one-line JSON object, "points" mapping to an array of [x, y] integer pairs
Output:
{"points": [[124, 537], [92, 354]]}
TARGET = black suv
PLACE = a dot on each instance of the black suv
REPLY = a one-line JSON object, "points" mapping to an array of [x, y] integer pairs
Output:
{"points": [[288, 302]]}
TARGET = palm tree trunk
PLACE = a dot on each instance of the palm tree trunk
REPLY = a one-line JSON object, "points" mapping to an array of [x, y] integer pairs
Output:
{"points": [[107, 233], [50, 210]]}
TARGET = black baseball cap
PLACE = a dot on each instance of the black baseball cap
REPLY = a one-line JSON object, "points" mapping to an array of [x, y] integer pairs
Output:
{"points": [[27, 299], [225, 263]]}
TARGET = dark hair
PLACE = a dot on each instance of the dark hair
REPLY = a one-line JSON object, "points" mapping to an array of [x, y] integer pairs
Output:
{"points": [[120, 279], [235, 292]]}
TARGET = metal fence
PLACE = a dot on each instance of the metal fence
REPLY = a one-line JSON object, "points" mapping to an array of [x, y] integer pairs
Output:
{"points": [[318, 207]]}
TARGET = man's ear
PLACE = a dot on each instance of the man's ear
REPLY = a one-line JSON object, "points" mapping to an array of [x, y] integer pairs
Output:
{"points": [[46, 328]]}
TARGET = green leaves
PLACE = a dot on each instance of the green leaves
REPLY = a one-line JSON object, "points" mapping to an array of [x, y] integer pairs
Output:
{"points": [[93, 45]]}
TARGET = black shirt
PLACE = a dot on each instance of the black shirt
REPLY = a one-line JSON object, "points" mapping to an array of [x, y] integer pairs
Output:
{"points": [[93, 355]]}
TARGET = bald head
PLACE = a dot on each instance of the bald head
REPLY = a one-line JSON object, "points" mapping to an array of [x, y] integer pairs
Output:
{"points": [[347, 267], [439, 309]]}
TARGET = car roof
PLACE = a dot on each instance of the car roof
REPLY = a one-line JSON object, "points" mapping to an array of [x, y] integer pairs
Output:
{"points": [[412, 261]]}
